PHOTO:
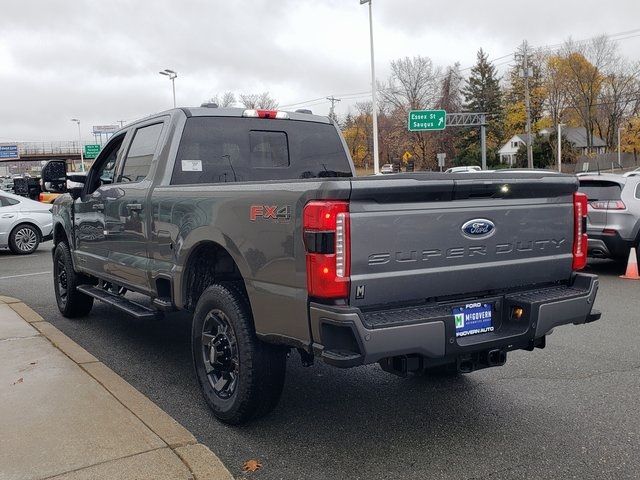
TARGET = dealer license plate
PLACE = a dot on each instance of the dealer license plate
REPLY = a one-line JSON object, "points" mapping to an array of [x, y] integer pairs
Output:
{"points": [[473, 318]]}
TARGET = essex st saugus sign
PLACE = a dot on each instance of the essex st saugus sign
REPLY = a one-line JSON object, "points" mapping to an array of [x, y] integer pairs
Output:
{"points": [[424, 120]]}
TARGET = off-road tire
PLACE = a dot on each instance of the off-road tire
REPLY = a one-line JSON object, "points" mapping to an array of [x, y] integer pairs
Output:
{"points": [[71, 302], [259, 368], [24, 239]]}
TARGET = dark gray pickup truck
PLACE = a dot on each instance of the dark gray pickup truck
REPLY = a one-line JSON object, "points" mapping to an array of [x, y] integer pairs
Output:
{"points": [[254, 221]]}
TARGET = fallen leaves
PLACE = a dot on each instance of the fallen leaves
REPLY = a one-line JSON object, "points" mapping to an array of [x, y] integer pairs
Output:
{"points": [[251, 465]]}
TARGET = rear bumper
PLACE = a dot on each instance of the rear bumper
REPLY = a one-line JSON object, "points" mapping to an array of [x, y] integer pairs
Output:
{"points": [[603, 245], [346, 337]]}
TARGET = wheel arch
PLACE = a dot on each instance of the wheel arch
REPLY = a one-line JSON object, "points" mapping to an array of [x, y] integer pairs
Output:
{"points": [[207, 263]]}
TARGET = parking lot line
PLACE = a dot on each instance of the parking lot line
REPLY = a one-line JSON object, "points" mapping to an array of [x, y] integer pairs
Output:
{"points": [[24, 275]]}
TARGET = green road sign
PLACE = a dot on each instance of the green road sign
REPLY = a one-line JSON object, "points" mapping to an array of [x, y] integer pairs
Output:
{"points": [[421, 120], [91, 151]]}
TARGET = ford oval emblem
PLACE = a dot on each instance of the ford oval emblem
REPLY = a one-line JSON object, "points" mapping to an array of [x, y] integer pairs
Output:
{"points": [[478, 228]]}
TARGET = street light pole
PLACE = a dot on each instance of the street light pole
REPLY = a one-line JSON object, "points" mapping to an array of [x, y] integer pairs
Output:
{"points": [[80, 144], [172, 76], [374, 100]]}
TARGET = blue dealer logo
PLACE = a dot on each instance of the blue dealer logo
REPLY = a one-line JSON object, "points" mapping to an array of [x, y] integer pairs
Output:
{"points": [[478, 228]]}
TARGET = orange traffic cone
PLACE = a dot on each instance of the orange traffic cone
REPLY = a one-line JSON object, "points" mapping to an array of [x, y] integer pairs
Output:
{"points": [[632, 267]]}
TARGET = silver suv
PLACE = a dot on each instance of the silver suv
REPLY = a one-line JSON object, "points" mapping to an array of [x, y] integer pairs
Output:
{"points": [[613, 217]]}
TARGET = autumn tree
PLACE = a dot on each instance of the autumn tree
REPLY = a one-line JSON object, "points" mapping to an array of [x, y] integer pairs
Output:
{"points": [[585, 64]]}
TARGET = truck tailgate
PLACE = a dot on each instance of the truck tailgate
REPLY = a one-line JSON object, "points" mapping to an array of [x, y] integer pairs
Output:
{"points": [[409, 241]]}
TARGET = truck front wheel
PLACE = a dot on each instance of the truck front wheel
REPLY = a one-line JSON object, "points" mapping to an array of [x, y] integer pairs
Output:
{"points": [[71, 302], [240, 376]]}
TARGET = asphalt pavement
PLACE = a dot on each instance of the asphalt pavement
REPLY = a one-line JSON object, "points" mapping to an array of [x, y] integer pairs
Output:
{"points": [[568, 411]]}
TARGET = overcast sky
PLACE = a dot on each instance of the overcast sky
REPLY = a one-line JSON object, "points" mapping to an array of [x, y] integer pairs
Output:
{"points": [[99, 60]]}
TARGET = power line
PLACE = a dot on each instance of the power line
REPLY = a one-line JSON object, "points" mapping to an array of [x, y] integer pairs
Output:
{"points": [[625, 35]]}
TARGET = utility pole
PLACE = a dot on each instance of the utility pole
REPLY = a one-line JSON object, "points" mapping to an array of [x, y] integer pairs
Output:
{"points": [[560, 147], [374, 100], [525, 73], [332, 112]]}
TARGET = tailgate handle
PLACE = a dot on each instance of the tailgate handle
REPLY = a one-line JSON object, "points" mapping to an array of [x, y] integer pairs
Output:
{"points": [[99, 207]]}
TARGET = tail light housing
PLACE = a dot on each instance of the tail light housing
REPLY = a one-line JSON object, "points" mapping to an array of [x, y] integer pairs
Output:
{"points": [[328, 244], [608, 205], [580, 242]]}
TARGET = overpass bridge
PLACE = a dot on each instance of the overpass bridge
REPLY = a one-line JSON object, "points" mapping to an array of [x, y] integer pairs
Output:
{"points": [[31, 154]]}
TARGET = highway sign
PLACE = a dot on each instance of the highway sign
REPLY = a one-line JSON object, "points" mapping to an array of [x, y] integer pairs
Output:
{"points": [[441, 158], [9, 151], [106, 129], [91, 151], [424, 120]]}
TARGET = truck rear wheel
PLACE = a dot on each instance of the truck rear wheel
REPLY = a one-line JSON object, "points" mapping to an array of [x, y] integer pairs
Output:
{"points": [[71, 302], [241, 377]]}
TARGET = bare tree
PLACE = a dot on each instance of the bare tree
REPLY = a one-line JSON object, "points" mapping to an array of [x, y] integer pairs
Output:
{"points": [[618, 99], [258, 100], [249, 100], [228, 100], [586, 62], [413, 83]]}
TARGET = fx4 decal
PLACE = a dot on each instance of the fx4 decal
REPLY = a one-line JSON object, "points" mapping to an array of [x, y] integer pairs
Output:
{"points": [[274, 213]]}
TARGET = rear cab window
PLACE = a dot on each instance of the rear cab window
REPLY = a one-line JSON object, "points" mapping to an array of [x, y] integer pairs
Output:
{"points": [[232, 149]]}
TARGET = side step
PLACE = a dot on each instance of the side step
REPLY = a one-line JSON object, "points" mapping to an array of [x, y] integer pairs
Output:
{"points": [[132, 308]]}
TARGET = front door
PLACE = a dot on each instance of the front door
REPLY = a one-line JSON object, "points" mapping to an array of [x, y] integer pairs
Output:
{"points": [[89, 219]]}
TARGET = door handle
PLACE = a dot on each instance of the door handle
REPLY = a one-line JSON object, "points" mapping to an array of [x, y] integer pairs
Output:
{"points": [[99, 207], [134, 207]]}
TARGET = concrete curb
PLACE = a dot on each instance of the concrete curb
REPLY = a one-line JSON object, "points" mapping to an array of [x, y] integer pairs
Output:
{"points": [[201, 462]]}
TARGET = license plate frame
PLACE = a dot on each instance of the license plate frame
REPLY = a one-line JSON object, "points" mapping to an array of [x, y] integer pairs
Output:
{"points": [[473, 319]]}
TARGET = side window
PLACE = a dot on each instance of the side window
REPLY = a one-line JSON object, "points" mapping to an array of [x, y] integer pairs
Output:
{"points": [[8, 202], [638, 191], [141, 152]]}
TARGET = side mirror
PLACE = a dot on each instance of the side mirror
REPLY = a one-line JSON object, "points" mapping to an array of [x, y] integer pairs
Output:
{"points": [[54, 176], [75, 184]]}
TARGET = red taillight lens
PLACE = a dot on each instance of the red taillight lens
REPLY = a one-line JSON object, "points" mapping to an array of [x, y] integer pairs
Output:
{"points": [[608, 205], [41, 197], [580, 242], [327, 240]]}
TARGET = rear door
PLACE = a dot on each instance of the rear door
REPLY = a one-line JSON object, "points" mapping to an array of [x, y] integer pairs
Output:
{"points": [[126, 213]]}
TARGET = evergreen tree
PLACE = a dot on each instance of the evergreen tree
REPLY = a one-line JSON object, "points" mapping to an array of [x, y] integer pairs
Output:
{"points": [[482, 94]]}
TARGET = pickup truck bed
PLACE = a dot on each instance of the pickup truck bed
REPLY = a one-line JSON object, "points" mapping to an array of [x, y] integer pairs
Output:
{"points": [[254, 221]]}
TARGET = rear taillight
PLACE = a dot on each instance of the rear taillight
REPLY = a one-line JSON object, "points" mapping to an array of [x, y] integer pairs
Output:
{"points": [[580, 242], [41, 197], [608, 205], [327, 241]]}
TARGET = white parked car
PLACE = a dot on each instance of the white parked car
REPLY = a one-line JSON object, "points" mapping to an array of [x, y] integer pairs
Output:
{"points": [[632, 173], [24, 223], [468, 169]]}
